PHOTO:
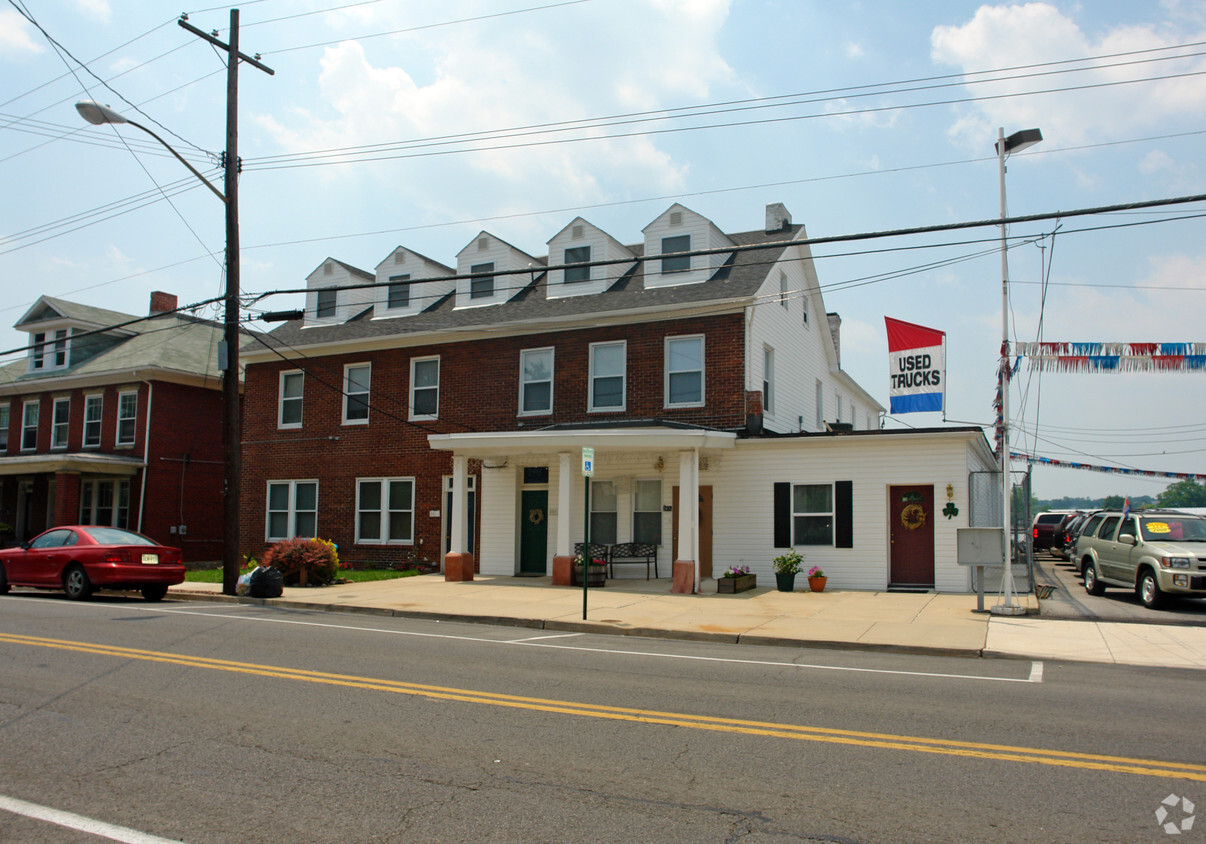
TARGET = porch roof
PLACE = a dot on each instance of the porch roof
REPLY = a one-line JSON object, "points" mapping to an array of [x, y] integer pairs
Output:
{"points": [[93, 464], [602, 439]]}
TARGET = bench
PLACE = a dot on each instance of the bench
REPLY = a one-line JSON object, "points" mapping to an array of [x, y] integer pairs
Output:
{"points": [[633, 552]]}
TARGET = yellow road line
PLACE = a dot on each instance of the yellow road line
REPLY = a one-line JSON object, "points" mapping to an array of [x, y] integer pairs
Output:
{"points": [[916, 744]]}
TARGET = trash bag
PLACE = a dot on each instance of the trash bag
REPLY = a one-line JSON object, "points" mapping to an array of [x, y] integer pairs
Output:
{"points": [[266, 582], [243, 584]]}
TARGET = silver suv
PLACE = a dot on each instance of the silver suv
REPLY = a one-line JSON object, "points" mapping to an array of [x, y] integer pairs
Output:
{"points": [[1152, 551]]}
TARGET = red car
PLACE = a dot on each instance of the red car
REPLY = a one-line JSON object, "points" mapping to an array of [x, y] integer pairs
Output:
{"points": [[80, 558]]}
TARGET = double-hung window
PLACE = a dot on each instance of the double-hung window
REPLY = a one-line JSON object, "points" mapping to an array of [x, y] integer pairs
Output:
{"points": [[535, 381], [684, 371], [385, 510], [647, 512], [105, 503], [94, 407], [4, 423], [60, 423], [292, 509], [481, 285], [425, 388], [768, 379], [398, 295], [812, 514], [289, 414], [577, 260], [783, 288], [328, 299], [356, 379], [608, 374], [29, 425], [671, 261], [603, 513], [127, 417]]}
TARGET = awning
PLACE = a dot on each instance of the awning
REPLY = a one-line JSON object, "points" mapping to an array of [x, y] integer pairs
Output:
{"points": [[515, 443], [83, 463]]}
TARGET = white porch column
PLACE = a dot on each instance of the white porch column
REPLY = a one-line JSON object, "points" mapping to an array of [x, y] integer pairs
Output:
{"points": [[458, 562], [563, 561], [686, 567]]}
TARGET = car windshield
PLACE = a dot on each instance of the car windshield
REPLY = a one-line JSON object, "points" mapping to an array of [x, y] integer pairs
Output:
{"points": [[1173, 529], [117, 536]]}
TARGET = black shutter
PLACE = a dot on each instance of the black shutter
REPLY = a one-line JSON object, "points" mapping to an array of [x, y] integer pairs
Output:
{"points": [[782, 515], [843, 514]]}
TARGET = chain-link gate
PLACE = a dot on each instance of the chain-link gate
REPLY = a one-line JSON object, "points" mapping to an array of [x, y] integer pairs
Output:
{"points": [[986, 508]]}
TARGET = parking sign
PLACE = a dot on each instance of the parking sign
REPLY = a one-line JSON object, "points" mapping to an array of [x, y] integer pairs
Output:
{"points": [[588, 462]]}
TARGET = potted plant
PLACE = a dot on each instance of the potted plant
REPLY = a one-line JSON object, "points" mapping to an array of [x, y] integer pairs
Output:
{"points": [[816, 579], [596, 572], [736, 579], [787, 566]]}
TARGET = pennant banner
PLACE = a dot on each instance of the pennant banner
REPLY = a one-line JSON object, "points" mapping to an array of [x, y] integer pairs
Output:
{"points": [[1114, 357], [916, 367], [1111, 470]]}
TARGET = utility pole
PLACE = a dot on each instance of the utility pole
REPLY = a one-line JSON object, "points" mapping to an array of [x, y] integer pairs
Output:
{"points": [[228, 355]]}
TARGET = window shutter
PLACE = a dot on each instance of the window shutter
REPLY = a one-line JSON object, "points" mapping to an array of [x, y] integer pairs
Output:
{"points": [[782, 515], [843, 514]]}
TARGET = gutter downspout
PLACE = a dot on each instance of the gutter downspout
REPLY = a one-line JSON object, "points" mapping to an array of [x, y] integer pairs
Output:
{"points": [[749, 327], [146, 455]]}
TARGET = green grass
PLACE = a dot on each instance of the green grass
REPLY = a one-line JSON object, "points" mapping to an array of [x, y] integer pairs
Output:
{"points": [[349, 575]]}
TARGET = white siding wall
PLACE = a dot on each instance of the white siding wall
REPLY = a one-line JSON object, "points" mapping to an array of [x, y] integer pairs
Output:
{"points": [[602, 248], [504, 257], [349, 302], [422, 295], [498, 541], [743, 506], [704, 235]]}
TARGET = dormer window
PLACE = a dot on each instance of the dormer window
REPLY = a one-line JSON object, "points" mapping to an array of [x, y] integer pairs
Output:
{"points": [[579, 255], [398, 295], [676, 263], [328, 297], [481, 286], [49, 350]]}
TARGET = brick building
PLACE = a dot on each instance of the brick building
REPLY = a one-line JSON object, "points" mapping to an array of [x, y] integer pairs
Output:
{"points": [[114, 419], [437, 413]]}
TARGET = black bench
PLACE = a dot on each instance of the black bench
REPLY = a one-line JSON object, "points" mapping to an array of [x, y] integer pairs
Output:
{"points": [[597, 551], [633, 552]]}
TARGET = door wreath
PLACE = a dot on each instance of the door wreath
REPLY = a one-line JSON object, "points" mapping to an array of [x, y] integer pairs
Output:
{"points": [[912, 516]]}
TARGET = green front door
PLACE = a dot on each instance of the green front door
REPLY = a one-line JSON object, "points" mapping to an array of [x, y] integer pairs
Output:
{"points": [[533, 531]]}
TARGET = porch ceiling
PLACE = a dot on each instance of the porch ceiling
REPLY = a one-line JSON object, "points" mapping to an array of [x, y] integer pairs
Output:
{"points": [[507, 443], [92, 464]]}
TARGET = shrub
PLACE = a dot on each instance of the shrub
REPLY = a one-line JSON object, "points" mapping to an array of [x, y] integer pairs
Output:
{"points": [[316, 557]]}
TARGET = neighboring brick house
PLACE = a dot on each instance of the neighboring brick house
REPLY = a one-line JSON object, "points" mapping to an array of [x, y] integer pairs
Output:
{"points": [[114, 419]]}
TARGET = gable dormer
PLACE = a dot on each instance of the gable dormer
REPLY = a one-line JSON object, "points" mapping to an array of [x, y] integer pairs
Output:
{"points": [[681, 230], [336, 292], [401, 286], [52, 326], [582, 243], [484, 261]]}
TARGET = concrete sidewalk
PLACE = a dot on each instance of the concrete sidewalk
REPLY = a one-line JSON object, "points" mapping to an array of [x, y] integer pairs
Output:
{"points": [[925, 623]]}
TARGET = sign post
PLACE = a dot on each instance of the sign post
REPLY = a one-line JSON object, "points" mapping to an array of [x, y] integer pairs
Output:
{"points": [[588, 472]]}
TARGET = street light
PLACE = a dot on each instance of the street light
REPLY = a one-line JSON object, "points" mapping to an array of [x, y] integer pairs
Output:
{"points": [[228, 352], [1016, 142]]}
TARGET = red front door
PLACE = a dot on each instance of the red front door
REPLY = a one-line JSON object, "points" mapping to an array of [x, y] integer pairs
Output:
{"points": [[911, 533]]}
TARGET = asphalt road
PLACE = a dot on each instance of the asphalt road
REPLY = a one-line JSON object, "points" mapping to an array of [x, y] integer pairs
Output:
{"points": [[1068, 599], [245, 723]]}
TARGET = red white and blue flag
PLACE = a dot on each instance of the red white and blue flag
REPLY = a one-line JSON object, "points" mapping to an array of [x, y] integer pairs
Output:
{"points": [[917, 367]]}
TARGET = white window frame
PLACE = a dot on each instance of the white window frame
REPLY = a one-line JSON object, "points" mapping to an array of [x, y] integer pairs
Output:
{"points": [[673, 258], [414, 388], [635, 512], [291, 509], [49, 350], [29, 422], [283, 399], [480, 274], [577, 265], [524, 383], [119, 502], [820, 405], [614, 512], [398, 282], [698, 338], [320, 305], [60, 429], [359, 395], [768, 380], [797, 514], [5, 420], [384, 512], [93, 428], [623, 376], [122, 398], [783, 289]]}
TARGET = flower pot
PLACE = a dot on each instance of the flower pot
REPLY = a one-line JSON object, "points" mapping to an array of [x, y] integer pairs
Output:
{"points": [[596, 577], [785, 582], [817, 584], [732, 585]]}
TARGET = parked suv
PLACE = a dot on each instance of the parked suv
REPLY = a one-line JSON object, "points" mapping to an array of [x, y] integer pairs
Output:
{"points": [[1043, 528], [1154, 552], [1066, 535]]}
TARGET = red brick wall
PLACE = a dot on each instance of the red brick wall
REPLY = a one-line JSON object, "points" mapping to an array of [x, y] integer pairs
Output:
{"points": [[479, 391]]}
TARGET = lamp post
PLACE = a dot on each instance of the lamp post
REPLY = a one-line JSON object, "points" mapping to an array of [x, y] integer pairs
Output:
{"points": [[1016, 142]]}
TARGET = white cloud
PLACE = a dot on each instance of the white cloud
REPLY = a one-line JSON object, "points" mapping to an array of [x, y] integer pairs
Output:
{"points": [[95, 9], [853, 50], [1155, 161], [16, 35], [1034, 33]]}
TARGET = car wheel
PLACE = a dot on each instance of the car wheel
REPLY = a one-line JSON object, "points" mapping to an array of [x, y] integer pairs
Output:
{"points": [[76, 583], [154, 593], [3, 581], [1092, 585], [1149, 590]]}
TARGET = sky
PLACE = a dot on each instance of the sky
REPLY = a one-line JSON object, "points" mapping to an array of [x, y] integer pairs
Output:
{"points": [[404, 122]]}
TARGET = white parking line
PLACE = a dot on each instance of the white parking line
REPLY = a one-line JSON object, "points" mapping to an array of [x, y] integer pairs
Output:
{"points": [[539, 638], [79, 822]]}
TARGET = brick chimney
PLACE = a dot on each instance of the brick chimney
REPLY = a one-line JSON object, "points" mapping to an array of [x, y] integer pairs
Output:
{"points": [[778, 218], [161, 302]]}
